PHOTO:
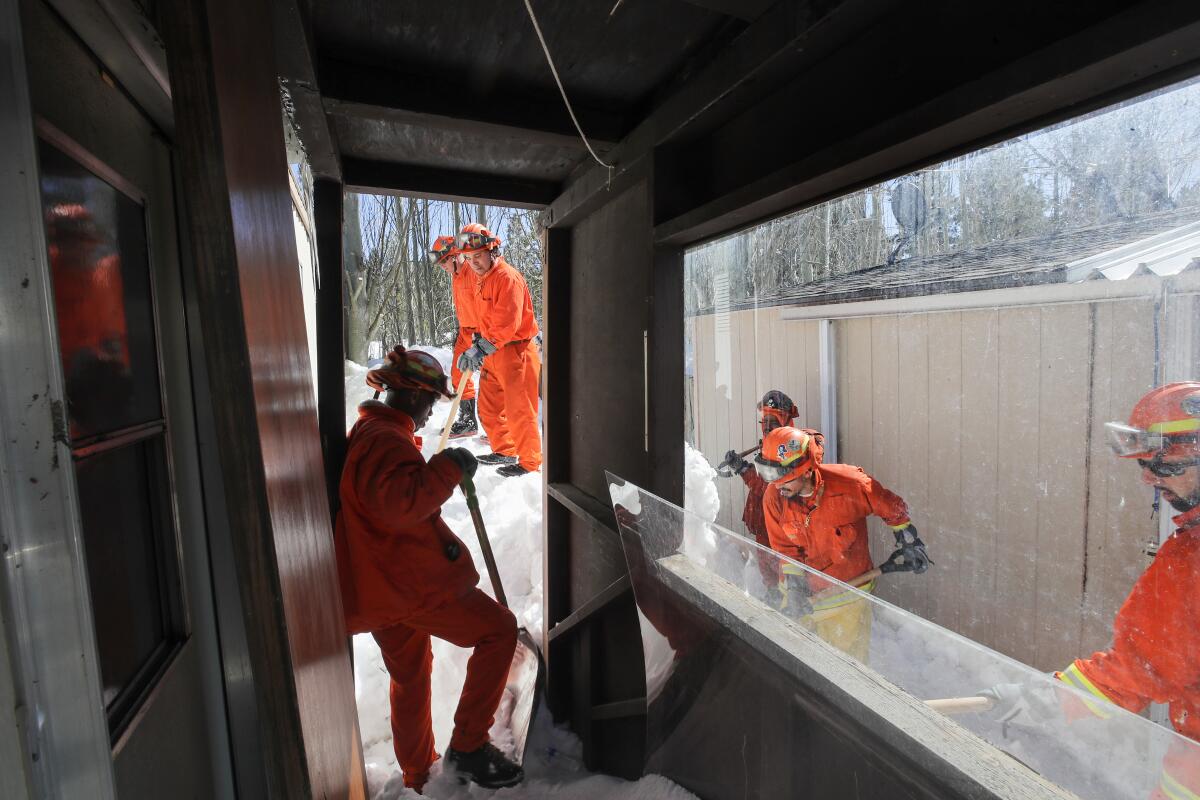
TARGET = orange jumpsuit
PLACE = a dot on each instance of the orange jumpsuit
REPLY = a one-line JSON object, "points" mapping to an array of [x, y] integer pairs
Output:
{"points": [[828, 532], [752, 518], [462, 285], [508, 402], [1155, 652], [398, 584]]}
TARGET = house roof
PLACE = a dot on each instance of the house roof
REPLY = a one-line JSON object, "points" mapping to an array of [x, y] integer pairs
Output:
{"points": [[1162, 243]]}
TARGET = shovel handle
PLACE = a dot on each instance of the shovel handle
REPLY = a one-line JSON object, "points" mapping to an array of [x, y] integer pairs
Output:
{"points": [[462, 384], [489, 559], [961, 705], [856, 582]]}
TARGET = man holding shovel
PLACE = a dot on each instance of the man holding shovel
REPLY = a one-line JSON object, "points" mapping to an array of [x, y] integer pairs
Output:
{"points": [[817, 515], [405, 577], [444, 254]]}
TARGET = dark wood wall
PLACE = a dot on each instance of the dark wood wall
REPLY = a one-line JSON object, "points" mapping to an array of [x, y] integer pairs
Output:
{"points": [[231, 151]]}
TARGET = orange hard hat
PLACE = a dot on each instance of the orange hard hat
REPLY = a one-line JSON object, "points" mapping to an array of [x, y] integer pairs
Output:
{"points": [[788, 453], [474, 237], [776, 406], [410, 369], [1165, 422], [442, 248]]}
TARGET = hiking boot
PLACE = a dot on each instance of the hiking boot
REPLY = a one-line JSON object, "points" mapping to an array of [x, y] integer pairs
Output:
{"points": [[486, 767], [465, 425], [493, 459], [512, 471]]}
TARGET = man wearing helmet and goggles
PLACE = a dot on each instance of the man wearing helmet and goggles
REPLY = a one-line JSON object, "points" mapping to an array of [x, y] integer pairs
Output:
{"points": [[1155, 652], [505, 352], [444, 254], [816, 514]]}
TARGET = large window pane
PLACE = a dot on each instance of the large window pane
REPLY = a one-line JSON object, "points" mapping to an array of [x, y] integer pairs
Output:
{"points": [[98, 259]]}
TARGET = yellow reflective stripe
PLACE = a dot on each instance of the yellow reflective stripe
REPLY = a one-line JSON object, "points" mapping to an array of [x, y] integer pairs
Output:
{"points": [[1176, 426], [900, 527], [793, 569], [1176, 790], [1073, 676], [843, 598]]}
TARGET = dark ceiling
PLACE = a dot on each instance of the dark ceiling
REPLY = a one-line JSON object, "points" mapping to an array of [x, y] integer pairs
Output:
{"points": [[463, 85]]}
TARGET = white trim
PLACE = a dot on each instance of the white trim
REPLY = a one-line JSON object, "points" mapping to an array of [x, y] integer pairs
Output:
{"points": [[1045, 294], [827, 350], [1151, 250], [44, 573]]}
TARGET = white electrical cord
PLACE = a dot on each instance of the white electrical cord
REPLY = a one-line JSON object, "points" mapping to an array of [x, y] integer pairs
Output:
{"points": [[546, 49]]}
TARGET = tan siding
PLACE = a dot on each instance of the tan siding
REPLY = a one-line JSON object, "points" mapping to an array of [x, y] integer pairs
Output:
{"points": [[912, 483], [944, 523]]}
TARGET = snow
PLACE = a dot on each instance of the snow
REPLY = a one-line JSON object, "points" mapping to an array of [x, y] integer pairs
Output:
{"points": [[512, 511]]}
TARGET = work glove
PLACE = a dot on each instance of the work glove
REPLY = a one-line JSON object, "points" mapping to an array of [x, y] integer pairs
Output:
{"points": [[1022, 705], [794, 593], [911, 547], [472, 358], [464, 458], [732, 465]]}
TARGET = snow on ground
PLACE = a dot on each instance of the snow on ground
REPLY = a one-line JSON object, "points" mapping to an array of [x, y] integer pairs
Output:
{"points": [[512, 511]]}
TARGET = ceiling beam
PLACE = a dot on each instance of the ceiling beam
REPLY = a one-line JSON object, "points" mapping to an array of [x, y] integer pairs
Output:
{"points": [[454, 124], [748, 10], [370, 91], [293, 56], [381, 177]]}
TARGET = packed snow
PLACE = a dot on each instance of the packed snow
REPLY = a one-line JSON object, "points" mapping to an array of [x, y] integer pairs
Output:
{"points": [[554, 761]]}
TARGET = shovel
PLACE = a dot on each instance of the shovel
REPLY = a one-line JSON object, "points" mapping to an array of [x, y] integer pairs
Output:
{"points": [[725, 469], [462, 384], [525, 674]]}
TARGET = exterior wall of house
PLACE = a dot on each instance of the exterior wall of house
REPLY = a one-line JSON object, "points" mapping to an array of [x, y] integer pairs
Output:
{"points": [[990, 423]]}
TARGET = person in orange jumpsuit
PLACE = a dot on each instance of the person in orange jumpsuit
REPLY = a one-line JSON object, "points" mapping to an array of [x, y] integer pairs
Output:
{"points": [[404, 576], [505, 351], [816, 514], [444, 254], [1155, 652]]}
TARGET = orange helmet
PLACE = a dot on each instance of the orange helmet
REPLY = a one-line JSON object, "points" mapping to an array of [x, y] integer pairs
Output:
{"points": [[442, 248], [410, 369], [777, 408], [474, 237], [788, 453], [1165, 422]]}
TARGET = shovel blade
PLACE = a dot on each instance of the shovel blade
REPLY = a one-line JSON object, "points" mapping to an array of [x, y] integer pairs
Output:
{"points": [[514, 718]]}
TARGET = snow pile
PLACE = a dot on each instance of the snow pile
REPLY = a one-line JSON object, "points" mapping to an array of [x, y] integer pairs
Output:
{"points": [[512, 511]]}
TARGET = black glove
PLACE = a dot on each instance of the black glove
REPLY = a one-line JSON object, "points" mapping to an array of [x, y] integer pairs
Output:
{"points": [[915, 559], [464, 458], [732, 465]]}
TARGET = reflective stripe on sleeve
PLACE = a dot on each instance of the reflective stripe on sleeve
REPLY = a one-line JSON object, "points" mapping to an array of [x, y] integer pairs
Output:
{"points": [[843, 598], [1174, 789], [1073, 676]]}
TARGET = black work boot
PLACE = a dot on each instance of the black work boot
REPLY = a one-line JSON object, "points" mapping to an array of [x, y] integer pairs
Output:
{"points": [[492, 459], [512, 471], [465, 425], [486, 767]]}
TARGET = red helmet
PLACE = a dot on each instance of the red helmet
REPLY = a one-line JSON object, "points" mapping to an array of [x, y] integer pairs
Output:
{"points": [[410, 369], [442, 248], [1165, 422], [474, 237], [776, 407], [788, 453]]}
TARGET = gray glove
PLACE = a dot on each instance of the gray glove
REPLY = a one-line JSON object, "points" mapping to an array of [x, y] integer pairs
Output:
{"points": [[472, 358], [464, 458], [732, 465], [1023, 705], [913, 549], [794, 600]]}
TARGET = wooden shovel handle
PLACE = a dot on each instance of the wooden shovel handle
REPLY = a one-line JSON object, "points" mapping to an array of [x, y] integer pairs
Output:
{"points": [[961, 705], [856, 582], [462, 385]]}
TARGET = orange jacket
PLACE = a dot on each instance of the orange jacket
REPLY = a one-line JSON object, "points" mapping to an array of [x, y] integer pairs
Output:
{"points": [[1155, 650], [462, 284], [504, 306], [389, 536], [828, 531], [752, 514]]}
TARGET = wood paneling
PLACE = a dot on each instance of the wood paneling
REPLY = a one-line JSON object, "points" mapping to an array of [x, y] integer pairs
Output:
{"points": [[228, 117]]}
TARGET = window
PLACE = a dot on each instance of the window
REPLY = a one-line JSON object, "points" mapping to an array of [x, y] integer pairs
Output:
{"points": [[103, 292]]}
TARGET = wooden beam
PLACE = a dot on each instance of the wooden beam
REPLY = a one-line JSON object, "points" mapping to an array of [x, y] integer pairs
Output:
{"points": [[748, 10], [589, 608], [621, 709], [354, 89], [381, 177], [297, 75], [331, 352], [584, 506]]}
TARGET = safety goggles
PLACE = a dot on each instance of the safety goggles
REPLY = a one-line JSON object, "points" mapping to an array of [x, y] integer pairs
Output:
{"points": [[772, 471], [439, 254], [1164, 469], [474, 241], [1127, 441]]}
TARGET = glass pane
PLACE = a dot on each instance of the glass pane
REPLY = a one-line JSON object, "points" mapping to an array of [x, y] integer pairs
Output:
{"points": [[100, 268], [693, 579], [122, 503]]}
